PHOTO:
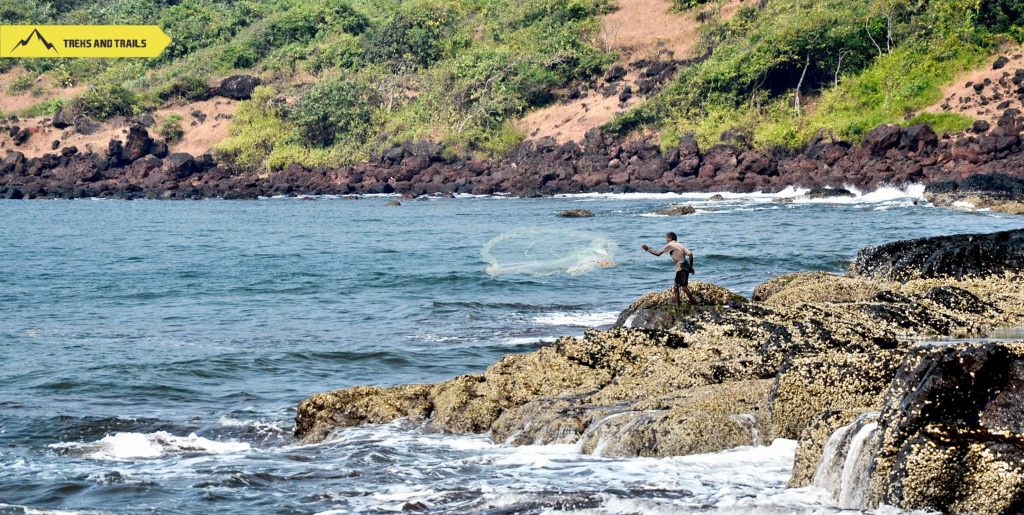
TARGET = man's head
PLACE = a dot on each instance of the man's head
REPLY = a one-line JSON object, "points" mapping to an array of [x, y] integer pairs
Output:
{"points": [[670, 236]]}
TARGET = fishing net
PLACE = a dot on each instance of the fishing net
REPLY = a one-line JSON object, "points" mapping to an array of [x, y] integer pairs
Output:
{"points": [[547, 252]]}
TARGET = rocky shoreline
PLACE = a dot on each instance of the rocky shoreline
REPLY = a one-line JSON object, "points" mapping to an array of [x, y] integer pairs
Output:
{"points": [[141, 167], [832, 361]]}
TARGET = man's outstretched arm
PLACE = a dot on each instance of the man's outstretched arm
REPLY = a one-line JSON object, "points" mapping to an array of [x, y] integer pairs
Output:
{"points": [[655, 252]]}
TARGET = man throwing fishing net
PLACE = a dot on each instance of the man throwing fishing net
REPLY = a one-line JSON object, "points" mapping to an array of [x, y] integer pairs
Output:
{"points": [[679, 253]]}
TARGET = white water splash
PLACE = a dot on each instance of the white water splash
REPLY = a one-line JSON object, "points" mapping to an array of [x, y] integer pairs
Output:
{"points": [[124, 446], [845, 462], [909, 192], [592, 319]]}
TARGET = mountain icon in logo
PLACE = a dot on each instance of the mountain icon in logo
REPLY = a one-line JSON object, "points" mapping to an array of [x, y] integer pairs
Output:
{"points": [[26, 41]]}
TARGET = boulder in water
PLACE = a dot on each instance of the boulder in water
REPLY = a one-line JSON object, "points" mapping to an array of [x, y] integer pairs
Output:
{"points": [[996, 192], [576, 213], [676, 210], [959, 256]]}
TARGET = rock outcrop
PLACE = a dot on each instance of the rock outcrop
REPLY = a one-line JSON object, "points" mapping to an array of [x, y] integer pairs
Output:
{"points": [[891, 155], [968, 255], [813, 356], [951, 434], [997, 192]]}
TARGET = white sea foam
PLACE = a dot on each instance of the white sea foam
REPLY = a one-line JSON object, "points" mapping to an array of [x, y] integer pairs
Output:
{"points": [[909, 193], [28, 510], [124, 446], [493, 476], [258, 425], [578, 319]]}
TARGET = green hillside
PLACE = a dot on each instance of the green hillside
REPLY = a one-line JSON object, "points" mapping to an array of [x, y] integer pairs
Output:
{"points": [[780, 73], [343, 79]]}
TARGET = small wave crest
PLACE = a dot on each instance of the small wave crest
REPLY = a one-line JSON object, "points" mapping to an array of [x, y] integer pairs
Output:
{"points": [[565, 319], [542, 252], [882, 194], [123, 446]]}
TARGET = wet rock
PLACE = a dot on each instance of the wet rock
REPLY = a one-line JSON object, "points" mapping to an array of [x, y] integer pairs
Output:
{"points": [[812, 441], [820, 193], [997, 192], [807, 386], [576, 213], [959, 256], [949, 436], [699, 420], [392, 203], [676, 210]]}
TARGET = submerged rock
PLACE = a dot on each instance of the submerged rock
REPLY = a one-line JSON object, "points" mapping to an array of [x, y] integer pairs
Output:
{"points": [[576, 213]]}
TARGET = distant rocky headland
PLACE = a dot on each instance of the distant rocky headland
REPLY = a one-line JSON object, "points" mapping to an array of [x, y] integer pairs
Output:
{"points": [[858, 368], [139, 166]]}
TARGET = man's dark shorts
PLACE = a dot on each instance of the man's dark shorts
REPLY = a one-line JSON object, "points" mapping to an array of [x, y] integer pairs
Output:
{"points": [[682, 277]]}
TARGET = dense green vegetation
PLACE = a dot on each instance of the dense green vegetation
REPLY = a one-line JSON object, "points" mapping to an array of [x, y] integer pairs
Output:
{"points": [[782, 72], [344, 77]]}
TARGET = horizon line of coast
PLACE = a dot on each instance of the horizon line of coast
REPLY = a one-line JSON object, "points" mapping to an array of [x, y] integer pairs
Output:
{"points": [[832, 361], [890, 156]]}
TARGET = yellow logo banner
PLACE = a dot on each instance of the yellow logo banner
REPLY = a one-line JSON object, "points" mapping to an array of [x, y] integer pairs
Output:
{"points": [[82, 40]]}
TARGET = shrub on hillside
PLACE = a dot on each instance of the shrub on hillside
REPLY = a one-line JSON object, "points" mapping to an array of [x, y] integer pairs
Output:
{"points": [[170, 128], [420, 33], [334, 109], [188, 87], [106, 100]]}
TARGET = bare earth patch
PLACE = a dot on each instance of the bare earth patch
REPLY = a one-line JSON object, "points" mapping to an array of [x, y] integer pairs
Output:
{"points": [[639, 29], [993, 97], [201, 131], [13, 103]]}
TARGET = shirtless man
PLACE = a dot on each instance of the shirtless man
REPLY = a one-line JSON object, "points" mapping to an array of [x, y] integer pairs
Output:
{"points": [[678, 253]]}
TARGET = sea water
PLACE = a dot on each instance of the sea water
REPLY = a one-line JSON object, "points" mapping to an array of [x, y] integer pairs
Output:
{"points": [[152, 353]]}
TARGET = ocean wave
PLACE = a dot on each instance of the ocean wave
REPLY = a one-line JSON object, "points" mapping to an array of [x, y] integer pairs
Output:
{"points": [[880, 194], [126, 446], [578, 319]]}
